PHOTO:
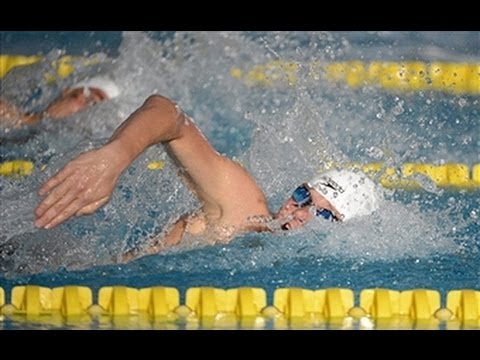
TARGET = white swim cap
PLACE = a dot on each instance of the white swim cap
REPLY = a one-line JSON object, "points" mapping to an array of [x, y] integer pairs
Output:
{"points": [[106, 85], [353, 194]]}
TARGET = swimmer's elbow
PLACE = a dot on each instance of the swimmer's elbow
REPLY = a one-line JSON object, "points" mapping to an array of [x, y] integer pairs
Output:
{"points": [[166, 110], [159, 102]]}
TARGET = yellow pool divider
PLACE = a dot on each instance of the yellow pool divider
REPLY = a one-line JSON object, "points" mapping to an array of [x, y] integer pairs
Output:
{"points": [[206, 301], [16, 168], [464, 304], [154, 302], [61, 68], [301, 303], [71, 300], [158, 301], [380, 303], [118, 300], [32, 300], [419, 303], [156, 165], [209, 301], [25, 167], [457, 78], [378, 307], [246, 301], [8, 62], [454, 176]]}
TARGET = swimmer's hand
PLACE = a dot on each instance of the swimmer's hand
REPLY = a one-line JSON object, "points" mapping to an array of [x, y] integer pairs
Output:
{"points": [[82, 186], [130, 255], [157, 245], [10, 116]]}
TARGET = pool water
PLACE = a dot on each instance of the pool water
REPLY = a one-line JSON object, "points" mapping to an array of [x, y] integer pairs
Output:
{"points": [[424, 238]]}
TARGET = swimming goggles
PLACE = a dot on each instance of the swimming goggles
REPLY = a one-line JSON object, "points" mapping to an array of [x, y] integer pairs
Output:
{"points": [[301, 195]]}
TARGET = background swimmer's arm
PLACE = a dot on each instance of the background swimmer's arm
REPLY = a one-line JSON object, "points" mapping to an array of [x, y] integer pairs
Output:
{"points": [[10, 115], [87, 182]]}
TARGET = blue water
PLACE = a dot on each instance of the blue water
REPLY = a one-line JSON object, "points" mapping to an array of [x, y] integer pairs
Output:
{"points": [[427, 238], [370, 45], [70, 42]]}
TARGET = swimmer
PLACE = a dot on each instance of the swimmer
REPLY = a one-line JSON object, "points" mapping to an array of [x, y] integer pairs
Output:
{"points": [[232, 202], [72, 100]]}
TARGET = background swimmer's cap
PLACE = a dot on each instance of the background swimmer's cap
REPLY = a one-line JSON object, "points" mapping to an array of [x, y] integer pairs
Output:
{"points": [[105, 84], [353, 194]]}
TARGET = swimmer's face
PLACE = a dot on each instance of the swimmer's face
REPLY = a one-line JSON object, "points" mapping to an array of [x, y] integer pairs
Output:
{"points": [[304, 204], [74, 100]]}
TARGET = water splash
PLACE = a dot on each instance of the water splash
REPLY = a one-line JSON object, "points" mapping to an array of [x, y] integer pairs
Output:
{"points": [[283, 134]]}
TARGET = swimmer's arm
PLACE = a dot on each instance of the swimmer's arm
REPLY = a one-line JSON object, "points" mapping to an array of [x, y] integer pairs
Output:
{"points": [[157, 120], [11, 115], [211, 176], [159, 243], [87, 182]]}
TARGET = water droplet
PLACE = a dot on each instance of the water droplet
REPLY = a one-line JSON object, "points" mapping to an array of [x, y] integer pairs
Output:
{"points": [[462, 102], [398, 109], [375, 152], [427, 183]]}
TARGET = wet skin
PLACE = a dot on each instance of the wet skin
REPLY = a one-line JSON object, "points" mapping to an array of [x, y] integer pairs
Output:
{"points": [[68, 103], [73, 101]]}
